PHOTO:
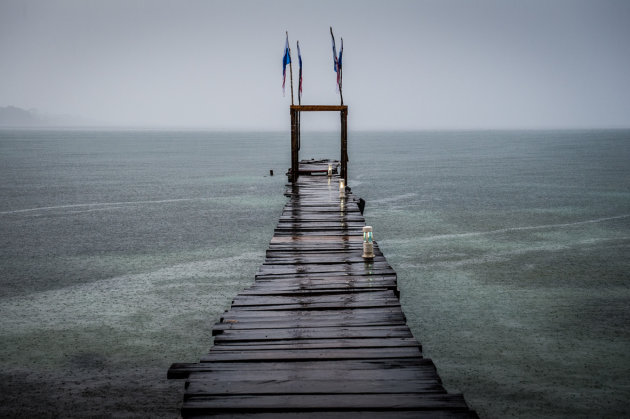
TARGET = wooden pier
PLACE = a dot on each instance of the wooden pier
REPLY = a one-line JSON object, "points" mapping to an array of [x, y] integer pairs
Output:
{"points": [[320, 333]]}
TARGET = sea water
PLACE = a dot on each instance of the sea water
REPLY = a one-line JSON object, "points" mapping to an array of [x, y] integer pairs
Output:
{"points": [[121, 248]]}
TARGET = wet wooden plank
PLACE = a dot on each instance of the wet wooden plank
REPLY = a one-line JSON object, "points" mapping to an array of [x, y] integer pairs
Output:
{"points": [[324, 260], [378, 268], [384, 369], [344, 289], [344, 414], [293, 324], [375, 365], [311, 314], [322, 238], [313, 282], [332, 332], [394, 302], [310, 354], [220, 387], [317, 344], [296, 286], [328, 289], [429, 401], [355, 295]]}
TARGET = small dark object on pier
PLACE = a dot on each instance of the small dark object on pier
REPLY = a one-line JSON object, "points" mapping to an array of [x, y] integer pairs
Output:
{"points": [[361, 205], [270, 172]]}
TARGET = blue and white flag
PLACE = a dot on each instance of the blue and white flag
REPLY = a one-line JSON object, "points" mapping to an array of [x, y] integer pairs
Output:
{"points": [[337, 60], [285, 60], [339, 65]]}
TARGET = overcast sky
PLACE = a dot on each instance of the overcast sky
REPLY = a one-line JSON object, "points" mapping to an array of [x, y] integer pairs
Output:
{"points": [[407, 64]]}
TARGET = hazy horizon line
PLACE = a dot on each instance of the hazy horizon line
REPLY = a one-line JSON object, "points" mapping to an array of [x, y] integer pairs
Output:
{"points": [[274, 130]]}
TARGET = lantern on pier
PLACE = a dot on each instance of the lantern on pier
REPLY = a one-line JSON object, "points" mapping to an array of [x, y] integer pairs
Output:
{"points": [[329, 170], [368, 243], [342, 189]]}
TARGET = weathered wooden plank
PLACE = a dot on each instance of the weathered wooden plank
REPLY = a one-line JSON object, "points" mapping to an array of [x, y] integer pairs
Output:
{"points": [[299, 209], [264, 322], [235, 313], [290, 251], [420, 364], [316, 239], [429, 401], [218, 387], [401, 368], [323, 278], [378, 268], [359, 266], [333, 227], [317, 344], [355, 295], [275, 318], [318, 108], [317, 217], [271, 334], [394, 302], [344, 414], [219, 328], [338, 290], [333, 259], [310, 354], [303, 321], [342, 234], [313, 283], [325, 290], [320, 250], [318, 284]]}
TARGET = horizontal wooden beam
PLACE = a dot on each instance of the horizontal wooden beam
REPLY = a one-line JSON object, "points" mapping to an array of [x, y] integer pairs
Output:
{"points": [[319, 108]]}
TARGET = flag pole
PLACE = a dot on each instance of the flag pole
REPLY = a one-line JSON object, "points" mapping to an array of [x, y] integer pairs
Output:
{"points": [[341, 77], [299, 75], [337, 68], [290, 70]]}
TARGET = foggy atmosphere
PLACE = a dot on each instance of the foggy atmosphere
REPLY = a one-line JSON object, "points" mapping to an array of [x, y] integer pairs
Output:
{"points": [[410, 65], [165, 211]]}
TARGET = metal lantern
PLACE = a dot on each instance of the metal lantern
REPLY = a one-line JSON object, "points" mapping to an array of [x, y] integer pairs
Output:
{"points": [[368, 243], [329, 170], [342, 189]]}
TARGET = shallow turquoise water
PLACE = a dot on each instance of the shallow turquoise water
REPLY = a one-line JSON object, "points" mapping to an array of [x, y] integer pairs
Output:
{"points": [[121, 248]]}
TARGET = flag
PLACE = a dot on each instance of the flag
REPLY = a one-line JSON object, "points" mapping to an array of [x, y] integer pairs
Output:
{"points": [[337, 60], [300, 78], [285, 60], [339, 65]]}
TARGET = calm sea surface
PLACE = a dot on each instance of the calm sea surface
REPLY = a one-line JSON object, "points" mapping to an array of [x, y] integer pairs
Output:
{"points": [[119, 250]]}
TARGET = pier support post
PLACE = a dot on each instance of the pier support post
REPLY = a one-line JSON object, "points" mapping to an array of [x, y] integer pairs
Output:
{"points": [[344, 144], [295, 151]]}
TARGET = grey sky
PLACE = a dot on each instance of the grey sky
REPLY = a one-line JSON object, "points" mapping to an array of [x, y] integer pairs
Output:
{"points": [[407, 64]]}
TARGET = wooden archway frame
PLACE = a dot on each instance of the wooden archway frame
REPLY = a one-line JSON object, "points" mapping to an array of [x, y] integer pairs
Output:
{"points": [[296, 111]]}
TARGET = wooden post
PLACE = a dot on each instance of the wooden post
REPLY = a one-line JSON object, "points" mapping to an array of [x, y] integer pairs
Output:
{"points": [[299, 130], [344, 144], [295, 159]]}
